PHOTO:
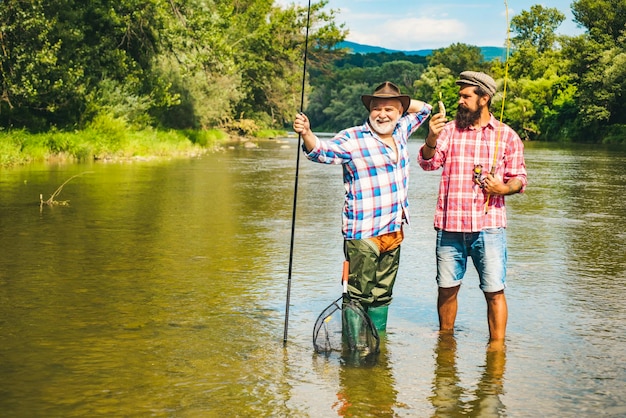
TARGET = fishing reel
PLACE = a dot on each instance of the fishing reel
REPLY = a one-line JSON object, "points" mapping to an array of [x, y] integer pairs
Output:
{"points": [[479, 177]]}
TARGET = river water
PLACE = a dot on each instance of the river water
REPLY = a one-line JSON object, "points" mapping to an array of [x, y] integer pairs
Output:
{"points": [[160, 290]]}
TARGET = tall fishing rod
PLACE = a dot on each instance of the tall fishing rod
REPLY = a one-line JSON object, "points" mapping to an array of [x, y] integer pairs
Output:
{"points": [[295, 189], [506, 77]]}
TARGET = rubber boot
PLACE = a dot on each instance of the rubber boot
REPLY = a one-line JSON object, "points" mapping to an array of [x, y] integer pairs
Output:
{"points": [[378, 315], [351, 328]]}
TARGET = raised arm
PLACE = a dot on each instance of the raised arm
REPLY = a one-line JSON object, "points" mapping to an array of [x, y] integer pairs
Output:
{"points": [[415, 106], [435, 126]]}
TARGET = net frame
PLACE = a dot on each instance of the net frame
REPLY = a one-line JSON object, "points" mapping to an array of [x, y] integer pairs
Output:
{"points": [[327, 332], [345, 326]]}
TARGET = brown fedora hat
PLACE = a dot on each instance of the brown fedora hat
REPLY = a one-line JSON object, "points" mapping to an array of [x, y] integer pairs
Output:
{"points": [[387, 90]]}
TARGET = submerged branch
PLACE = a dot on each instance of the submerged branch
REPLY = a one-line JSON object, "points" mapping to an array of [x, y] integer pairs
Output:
{"points": [[51, 201]]}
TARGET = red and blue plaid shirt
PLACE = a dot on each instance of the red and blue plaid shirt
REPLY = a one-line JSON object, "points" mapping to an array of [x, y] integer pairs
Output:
{"points": [[376, 181], [461, 202]]}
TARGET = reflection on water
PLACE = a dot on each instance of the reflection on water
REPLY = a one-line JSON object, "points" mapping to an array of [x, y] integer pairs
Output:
{"points": [[447, 393], [160, 291], [366, 388], [451, 399]]}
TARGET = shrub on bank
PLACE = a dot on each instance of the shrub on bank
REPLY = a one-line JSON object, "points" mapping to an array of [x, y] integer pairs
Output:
{"points": [[106, 139]]}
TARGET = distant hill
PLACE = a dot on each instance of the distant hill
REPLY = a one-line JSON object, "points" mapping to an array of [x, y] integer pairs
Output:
{"points": [[489, 52]]}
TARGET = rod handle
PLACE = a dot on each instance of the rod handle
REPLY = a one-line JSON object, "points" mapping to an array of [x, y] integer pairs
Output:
{"points": [[344, 275]]}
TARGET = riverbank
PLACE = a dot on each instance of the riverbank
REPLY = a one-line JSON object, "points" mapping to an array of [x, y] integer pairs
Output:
{"points": [[109, 143]]}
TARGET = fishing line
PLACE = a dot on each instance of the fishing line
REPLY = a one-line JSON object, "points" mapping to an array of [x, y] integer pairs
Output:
{"points": [[506, 77], [295, 189]]}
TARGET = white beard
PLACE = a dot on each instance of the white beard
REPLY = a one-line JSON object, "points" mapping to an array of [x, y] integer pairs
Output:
{"points": [[384, 127]]}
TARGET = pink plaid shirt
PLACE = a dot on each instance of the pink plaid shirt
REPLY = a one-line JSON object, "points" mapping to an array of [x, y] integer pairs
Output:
{"points": [[461, 202]]}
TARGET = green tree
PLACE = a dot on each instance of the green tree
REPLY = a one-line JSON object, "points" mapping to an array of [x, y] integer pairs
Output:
{"points": [[403, 73], [269, 55], [345, 108], [238, 64], [438, 83], [55, 52], [34, 81], [335, 102], [534, 107], [182, 64], [599, 71], [459, 57], [601, 17], [535, 43], [199, 64], [598, 68], [536, 28], [540, 89]]}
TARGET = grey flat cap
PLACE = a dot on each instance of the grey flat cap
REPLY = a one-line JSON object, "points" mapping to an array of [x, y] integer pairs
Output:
{"points": [[474, 78]]}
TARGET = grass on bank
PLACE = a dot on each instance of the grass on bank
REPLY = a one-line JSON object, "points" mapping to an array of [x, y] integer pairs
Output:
{"points": [[21, 147], [111, 138]]}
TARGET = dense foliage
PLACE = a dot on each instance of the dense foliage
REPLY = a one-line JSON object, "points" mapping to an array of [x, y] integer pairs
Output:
{"points": [[237, 65], [164, 63], [557, 88]]}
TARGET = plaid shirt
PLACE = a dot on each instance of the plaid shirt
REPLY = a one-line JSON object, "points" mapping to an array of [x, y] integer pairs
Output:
{"points": [[461, 202], [376, 181]]}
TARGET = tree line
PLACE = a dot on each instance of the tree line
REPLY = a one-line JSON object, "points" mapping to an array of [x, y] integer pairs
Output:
{"points": [[176, 64], [558, 88], [237, 65]]}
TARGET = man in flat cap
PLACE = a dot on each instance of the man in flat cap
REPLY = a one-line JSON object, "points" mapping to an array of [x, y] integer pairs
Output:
{"points": [[482, 161], [375, 161]]}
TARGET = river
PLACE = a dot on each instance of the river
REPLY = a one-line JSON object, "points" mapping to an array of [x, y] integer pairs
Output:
{"points": [[160, 290]]}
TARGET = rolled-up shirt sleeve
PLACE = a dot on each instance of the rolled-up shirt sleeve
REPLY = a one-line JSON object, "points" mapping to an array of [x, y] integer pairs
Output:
{"points": [[515, 164], [334, 151]]}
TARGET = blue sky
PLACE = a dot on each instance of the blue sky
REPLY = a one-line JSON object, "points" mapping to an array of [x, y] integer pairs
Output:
{"points": [[413, 25]]}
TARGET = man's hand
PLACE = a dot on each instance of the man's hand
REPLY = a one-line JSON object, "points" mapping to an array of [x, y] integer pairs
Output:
{"points": [[435, 126], [301, 124], [494, 185]]}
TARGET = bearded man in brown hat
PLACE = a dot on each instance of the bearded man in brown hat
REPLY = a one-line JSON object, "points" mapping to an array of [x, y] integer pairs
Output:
{"points": [[375, 161], [482, 161]]}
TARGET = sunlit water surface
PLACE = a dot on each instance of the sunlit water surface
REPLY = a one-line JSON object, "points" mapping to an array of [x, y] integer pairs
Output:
{"points": [[161, 290]]}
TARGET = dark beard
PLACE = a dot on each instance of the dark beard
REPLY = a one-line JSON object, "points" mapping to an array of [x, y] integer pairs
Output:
{"points": [[465, 117]]}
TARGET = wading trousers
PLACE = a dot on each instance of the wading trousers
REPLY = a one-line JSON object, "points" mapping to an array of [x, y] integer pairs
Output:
{"points": [[372, 272]]}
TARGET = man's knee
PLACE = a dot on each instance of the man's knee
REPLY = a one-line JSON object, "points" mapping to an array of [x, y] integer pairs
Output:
{"points": [[447, 293], [494, 295]]}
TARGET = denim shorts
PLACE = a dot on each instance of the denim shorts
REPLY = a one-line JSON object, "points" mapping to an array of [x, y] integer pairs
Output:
{"points": [[487, 249]]}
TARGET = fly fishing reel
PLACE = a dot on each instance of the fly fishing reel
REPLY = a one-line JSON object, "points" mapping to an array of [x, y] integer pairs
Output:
{"points": [[479, 177]]}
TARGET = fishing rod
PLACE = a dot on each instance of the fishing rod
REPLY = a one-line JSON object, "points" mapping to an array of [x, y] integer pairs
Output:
{"points": [[295, 189], [506, 76]]}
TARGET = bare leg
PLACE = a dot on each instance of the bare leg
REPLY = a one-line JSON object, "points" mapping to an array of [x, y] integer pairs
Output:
{"points": [[497, 315], [446, 307]]}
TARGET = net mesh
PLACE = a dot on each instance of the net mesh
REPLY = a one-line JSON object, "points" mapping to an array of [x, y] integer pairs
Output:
{"points": [[345, 327], [327, 329]]}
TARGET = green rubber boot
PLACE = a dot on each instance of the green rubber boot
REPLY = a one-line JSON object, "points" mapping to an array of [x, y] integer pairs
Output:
{"points": [[351, 328], [378, 315]]}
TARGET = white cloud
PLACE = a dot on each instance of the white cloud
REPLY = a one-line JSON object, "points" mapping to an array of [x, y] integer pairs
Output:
{"points": [[404, 34], [411, 25]]}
